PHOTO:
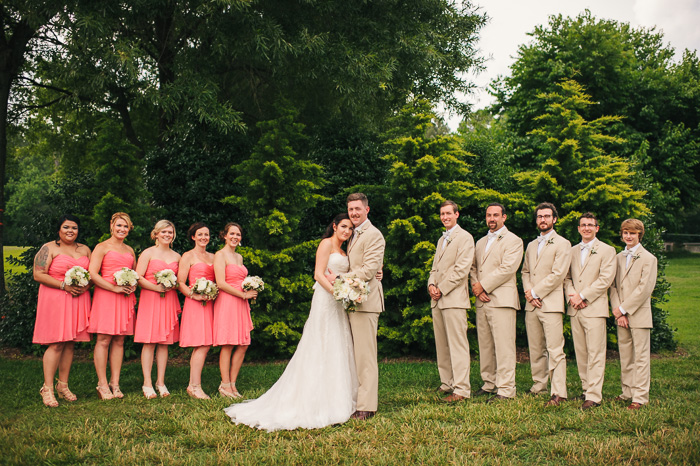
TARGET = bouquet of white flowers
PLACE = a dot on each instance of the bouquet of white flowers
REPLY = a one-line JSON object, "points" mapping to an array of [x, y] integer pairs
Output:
{"points": [[254, 283], [350, 290], [77, 276], [167, 278], [206, 288], [126, 277]]}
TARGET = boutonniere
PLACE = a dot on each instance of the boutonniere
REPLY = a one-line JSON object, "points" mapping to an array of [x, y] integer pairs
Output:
{"points": [[500, 237], [359, 232], [635, 257], [550, 241], [448, 240], [594, 251]]}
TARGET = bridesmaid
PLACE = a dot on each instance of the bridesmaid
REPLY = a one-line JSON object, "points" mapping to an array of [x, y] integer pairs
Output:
{"points": [[232, 322], [112, 316], [198, 313], [156, 322], [63, 310]]}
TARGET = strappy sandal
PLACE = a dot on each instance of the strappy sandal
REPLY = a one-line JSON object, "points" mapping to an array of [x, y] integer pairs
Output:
{"points": [[233, 393], [148, 392], [64, 392], [115, 391], [195, 391], [162, 391], [104, 393], [47, 396]]}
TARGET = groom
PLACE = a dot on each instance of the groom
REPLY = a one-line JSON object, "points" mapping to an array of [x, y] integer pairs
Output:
{"points": [[366, 255]]}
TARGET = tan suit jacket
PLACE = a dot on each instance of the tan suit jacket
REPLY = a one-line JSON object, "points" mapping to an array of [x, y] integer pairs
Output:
{"points": [[495, 269], [366, 256], [450, 271], [592, 279], [546, 273], [633, 287]]}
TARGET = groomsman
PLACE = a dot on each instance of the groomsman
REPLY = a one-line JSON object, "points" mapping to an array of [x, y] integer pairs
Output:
{"points": [[497, 259], [630, 296], [366, 256], [448, 289], [591, 273], [547, 261]]}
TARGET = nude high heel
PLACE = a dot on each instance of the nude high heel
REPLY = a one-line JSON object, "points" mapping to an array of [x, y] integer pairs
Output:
{"points": [[64, 392], [47, 396]]}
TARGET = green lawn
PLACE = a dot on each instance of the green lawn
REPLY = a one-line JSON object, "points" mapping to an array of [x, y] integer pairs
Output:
{"points": [[412, 427]]}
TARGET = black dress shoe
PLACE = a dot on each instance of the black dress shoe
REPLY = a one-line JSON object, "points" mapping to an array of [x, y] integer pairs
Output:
{"points": [[443, 391], [497, 398], [363, 415], [482, 392]]}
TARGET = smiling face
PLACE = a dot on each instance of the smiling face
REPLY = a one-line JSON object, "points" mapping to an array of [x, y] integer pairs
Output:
{"points": [[201, 237], [495, 218], [233, 236], [343, 230], [68, 232], [120, 228], [357, 212], [588, 228], [631, 238], [165, 236], [448, 216], [545, 220]]}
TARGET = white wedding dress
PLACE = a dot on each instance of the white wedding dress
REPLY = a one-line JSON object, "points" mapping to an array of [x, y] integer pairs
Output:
{"points": [[319, 385]]}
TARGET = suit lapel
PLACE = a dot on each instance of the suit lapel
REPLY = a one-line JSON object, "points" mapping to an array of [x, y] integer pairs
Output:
{"points": [[544, 248], [586, 259], [632, 260], [443, 239]]}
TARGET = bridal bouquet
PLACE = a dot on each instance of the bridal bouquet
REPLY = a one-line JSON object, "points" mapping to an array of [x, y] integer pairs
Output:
{"points": [[77, 276], [167, 278], [254, 283], [206, 288], [126, 277], [350, 290]]}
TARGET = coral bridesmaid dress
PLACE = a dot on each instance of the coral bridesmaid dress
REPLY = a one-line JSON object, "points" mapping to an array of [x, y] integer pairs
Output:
{"points": [[60, 316], [113, 313], [232, 322], [156, 320], [197, 319]]}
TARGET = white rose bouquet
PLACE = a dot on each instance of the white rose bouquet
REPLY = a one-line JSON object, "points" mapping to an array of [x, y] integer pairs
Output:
{"points": [[254, 283], [126, 277], [77, 276], [167, 278], [350, 290], [206, 288]]}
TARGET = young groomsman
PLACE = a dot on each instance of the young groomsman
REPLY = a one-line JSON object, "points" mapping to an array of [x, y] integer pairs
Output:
{"points": [[497, 259], [448, 288], [630, 296], [591, 273], [547, 261]]}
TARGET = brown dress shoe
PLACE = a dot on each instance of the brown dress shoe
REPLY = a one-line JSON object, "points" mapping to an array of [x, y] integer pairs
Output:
{"points": [[362, 415], [589, 404], [555, 400], [635, 406], [454, 397], [619, 398]]}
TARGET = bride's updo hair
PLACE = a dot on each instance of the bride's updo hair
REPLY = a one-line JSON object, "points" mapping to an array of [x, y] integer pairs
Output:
{"points": [[338, 218]]}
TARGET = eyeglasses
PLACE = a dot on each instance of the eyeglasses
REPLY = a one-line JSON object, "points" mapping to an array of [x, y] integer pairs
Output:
{"points": [[588, 225], [540, 217]]}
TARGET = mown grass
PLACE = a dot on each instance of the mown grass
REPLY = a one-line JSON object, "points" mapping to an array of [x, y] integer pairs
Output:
{"points": [[412, 427]]}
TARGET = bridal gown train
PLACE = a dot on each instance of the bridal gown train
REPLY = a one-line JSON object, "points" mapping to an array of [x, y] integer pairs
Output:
{"points": [[319, 385]]}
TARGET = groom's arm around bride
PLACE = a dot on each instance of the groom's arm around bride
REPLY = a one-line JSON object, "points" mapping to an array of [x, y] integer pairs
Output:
{"points": [[366, 255]]}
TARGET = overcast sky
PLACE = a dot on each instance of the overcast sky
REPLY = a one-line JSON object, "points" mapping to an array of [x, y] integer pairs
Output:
{"points": [[511, 20]]}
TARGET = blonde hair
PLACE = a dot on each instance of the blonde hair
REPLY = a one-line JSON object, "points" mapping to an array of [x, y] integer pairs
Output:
{"points": [[124, 216], [633, 225], [161, 225]]}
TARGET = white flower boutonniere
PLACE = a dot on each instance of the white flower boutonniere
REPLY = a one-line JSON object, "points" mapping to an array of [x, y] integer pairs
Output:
{"points": [[594, 251], [448, 240], [550, 241], [359, 232]]}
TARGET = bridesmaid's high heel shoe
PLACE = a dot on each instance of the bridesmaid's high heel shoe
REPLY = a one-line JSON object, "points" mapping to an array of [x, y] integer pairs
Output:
{"points": [[148, 392], [47, 396], [104, 393], [195, 391], [64, 392], [115, 391], [231, 392], [162, 390]]}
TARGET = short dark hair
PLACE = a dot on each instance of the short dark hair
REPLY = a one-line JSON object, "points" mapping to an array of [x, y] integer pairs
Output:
{"points": [[194, 227], [588, 215], [455, 207], [547, 205], [497, 204], [358, 197]]}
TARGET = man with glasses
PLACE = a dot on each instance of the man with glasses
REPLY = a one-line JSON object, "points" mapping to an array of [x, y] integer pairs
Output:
{"points": [[547, 261], [591, 273]]}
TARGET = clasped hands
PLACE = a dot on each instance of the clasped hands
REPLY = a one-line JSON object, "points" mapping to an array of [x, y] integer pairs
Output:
{"points": [[621, 319], [532, 300], [576, 301], [75, 290], [480, 293], [434, 292]]}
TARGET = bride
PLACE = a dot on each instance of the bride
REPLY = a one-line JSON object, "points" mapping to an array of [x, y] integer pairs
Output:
{"points": [[319, 385]]}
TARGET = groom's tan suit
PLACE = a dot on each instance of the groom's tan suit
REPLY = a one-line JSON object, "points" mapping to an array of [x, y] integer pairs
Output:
{"points": [[366, 255], [591, 280], [450, 273], [544, 274], [495, 270], [631, 291]]}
